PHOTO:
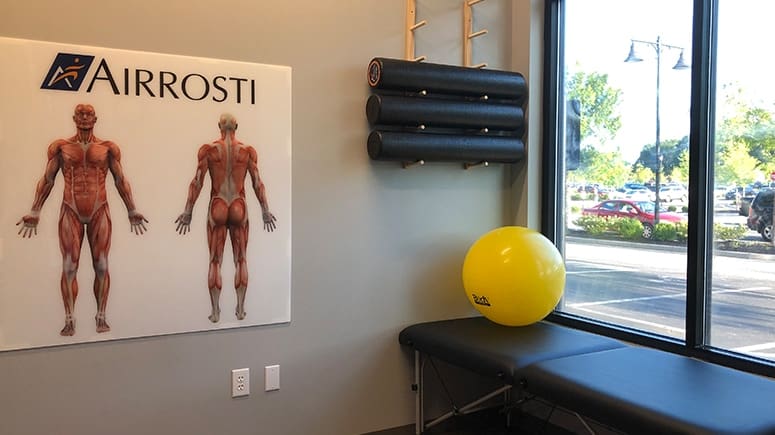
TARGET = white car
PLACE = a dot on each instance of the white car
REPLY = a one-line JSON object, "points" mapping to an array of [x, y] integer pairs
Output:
{"points": [[670, 193], [639, 195]]}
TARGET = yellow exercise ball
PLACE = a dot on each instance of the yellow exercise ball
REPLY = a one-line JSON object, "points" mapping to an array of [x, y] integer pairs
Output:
{"points": [[514, 276]]}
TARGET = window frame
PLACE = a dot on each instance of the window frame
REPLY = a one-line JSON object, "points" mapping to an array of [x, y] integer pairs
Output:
{"points": [[701, 142]]}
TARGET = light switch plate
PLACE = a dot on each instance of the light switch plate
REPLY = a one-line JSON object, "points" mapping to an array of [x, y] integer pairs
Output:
{"points": [[272, 378]]}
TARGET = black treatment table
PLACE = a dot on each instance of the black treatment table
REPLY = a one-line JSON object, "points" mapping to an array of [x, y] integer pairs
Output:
{"points": [[634, 389]]}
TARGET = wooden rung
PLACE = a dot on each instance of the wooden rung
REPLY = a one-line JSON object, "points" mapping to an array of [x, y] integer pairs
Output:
{"points": [[469, 34], [411, 25], [418, 25], [479, 33]]}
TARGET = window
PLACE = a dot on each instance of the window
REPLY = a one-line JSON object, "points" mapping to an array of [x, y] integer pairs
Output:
{"points": [[665, 108]]}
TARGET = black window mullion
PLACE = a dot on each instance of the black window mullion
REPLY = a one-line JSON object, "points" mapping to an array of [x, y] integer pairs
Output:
{"points": [[552, 202], [701, 147]]}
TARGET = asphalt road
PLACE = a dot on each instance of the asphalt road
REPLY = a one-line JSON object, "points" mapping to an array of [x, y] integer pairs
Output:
{"points": [[644, 287]]}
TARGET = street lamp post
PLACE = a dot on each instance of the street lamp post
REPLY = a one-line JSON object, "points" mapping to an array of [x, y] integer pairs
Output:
{"points": [[658, 46]]}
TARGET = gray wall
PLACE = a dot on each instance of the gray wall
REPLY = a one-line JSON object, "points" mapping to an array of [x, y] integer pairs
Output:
{"points": [[375, 247]]}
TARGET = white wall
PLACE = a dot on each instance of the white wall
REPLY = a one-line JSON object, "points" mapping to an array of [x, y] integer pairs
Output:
{"points": [[375, 247]]}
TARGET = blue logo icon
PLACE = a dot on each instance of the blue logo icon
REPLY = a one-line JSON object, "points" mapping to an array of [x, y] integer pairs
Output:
{"points": [[67, 72]]}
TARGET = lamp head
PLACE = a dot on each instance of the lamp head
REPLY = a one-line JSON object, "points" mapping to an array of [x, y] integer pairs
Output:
{"points": [[632, 57], [681, 64]]}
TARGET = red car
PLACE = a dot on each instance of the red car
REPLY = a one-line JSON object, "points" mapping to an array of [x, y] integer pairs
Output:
{"points": [[640, 210]]}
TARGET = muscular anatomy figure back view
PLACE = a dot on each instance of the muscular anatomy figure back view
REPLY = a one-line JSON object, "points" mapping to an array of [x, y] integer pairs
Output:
{"points": [[228, 161], [84, 161]]}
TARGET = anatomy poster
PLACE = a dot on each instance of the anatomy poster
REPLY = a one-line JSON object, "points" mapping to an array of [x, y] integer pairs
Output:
{"points": [[142, 194]]}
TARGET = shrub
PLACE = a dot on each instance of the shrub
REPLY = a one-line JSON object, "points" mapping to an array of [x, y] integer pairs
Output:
{"points": [[665, 232], [728, 232], [681, 231], [592, 224], [575, 197], [575, 209], [671, 208], [629, 228]]}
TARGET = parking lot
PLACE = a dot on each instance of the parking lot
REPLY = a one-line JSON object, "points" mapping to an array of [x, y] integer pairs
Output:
{"points": [[726, 212], [644, 287]]}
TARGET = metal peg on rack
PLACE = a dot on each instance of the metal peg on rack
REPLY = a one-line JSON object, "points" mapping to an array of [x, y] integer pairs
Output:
{"points": [[474, 165], [407, 165]]}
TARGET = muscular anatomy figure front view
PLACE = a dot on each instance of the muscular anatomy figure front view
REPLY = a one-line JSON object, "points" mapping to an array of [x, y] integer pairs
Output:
{"points": [[84, 161]]}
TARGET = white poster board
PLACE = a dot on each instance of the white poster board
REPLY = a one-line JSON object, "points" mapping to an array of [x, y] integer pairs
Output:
{"points": [[158, 110]]}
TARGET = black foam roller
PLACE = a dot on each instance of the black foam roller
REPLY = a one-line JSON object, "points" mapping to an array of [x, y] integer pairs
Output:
{"points": [[399, 146], [404, 75], [414, 111]]}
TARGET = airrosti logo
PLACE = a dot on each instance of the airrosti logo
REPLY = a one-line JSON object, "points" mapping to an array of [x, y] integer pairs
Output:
{"points": [[67, 72]]}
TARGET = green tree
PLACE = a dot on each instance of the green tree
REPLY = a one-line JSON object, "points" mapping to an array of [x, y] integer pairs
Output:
{"points": [[744, 127], [641, 174], [671, 151], [599, 105], [607, 168], [681, 171], [599, 121], [735, 165]]}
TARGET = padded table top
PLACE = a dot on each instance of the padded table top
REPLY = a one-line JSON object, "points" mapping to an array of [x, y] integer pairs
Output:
{"points": [[648, 391], [485, 347]]}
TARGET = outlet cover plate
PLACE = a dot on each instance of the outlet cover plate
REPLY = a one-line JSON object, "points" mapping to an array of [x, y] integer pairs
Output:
{"points": [[240, 382]]}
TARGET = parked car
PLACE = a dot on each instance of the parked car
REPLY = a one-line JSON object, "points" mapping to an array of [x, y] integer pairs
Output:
{"points": [[738, 192], [760, 214], [640, 210], [635, 186], [720, 192], [744, 205], [733, 193], [673, 192], [744, 202], [639, 195]]}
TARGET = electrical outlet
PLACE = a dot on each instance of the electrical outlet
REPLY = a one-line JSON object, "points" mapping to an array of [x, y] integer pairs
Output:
{"points": [[240, 382], [272, 378]]}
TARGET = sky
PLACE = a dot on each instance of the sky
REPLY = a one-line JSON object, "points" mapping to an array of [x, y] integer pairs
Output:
{"points": [[599, 33]]}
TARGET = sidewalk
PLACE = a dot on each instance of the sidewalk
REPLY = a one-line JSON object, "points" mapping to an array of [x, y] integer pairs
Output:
{"points": [[757, 250]]}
